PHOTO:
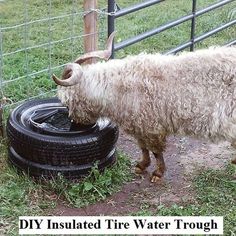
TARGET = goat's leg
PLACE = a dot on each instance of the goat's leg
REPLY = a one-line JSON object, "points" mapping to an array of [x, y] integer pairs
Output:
{"points": [[160, 163], [233, 144], [160, 167], [144, 163]]}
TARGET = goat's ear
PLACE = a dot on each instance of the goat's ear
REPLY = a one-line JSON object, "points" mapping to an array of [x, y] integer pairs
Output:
{"points": [[101, 54]]}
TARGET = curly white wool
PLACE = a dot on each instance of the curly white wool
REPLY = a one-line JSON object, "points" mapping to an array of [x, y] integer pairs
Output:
{"points": [[151, 96]]}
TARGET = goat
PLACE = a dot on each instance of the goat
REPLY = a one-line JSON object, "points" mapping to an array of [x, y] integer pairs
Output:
{"points": [[151, 96]]}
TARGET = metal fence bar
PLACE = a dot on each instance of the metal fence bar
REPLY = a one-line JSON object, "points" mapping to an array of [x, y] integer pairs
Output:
{"points": [[136, 7], [202, 37], [233, 42], [216, 30], [193, 24], [147, 34], [212, 7], [169, 25], [111, 21], [179, 48]]}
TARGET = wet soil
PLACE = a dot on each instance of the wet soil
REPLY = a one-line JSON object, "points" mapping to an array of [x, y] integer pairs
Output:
{"points": [[183, 156]]}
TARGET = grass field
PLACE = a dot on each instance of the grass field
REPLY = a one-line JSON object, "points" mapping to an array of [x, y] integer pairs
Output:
{"points": [[53, 43]]}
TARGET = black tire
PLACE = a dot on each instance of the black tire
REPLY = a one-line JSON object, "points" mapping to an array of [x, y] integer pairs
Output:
{"points": [[48, 171], [53, 147]]}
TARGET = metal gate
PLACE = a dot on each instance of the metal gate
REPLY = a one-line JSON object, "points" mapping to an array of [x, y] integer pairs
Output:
{"points": [[116, 13]]}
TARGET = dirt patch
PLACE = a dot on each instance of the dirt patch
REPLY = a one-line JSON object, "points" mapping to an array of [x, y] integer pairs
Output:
{"points": [[183, 156]]}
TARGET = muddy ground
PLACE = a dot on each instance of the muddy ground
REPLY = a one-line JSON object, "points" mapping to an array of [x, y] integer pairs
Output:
{"points": [[183, 156]]}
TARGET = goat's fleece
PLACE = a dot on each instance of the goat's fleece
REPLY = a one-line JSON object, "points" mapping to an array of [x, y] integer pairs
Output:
{"points": [[151, 95]]}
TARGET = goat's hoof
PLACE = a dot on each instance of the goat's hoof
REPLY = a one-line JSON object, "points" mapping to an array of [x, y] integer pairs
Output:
{"points": [[138, 170], [233, 161], [156, 176], [155, 179]]}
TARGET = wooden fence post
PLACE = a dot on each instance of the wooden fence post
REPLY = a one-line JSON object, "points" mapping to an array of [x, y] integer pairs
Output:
{"points": [[90, 27]]}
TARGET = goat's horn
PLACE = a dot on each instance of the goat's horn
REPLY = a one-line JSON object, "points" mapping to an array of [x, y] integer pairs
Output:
{"points": [[102, 54], [76, 74]]}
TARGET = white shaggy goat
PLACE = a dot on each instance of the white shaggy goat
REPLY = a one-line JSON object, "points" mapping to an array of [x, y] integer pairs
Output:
{"points": [[152, 96]]}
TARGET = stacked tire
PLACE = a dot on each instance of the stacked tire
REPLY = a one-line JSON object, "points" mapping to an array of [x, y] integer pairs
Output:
{"points": [[44, 142]]}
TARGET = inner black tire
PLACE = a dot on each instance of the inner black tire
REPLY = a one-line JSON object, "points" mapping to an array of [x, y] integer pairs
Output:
{"points": [[37, 170]]}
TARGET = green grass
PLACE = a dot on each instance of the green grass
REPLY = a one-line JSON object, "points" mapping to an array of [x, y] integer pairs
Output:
{"points": [[96, 186], [18, 196], [21, 196], [215, 196]]}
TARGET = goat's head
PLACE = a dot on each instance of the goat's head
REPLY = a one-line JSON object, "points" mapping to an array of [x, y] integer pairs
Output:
{"points": [[80, 110], [73, 72]]}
